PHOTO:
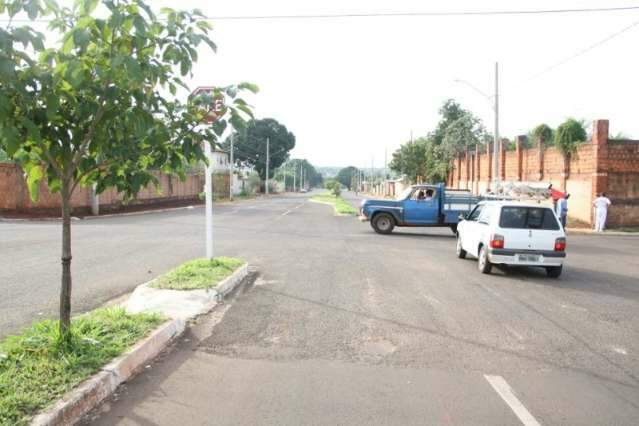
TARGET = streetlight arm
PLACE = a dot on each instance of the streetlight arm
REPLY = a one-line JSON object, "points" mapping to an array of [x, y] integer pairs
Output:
{"points": [[489, 97]]}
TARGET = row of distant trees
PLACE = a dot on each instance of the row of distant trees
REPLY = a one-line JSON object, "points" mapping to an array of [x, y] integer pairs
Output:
{"points": [[293, 170], [458, 130]]}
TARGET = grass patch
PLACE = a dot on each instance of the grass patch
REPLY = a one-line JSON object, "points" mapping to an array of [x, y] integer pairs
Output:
{"points": [[198, 274], [338, 203], [36, 370]]}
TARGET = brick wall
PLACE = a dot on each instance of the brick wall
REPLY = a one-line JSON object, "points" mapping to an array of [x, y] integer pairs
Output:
{"points": [[14, 194], [623, 182], [598, 166]]}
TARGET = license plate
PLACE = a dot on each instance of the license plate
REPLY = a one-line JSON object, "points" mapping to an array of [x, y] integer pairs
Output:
{"points": [[528, 258]]}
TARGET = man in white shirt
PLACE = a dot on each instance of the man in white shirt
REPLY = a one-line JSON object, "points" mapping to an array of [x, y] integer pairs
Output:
{"points": [[601, 204]]}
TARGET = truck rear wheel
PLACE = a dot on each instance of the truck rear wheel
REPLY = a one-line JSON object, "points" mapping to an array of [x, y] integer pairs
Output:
{"points": [[383, 223]]}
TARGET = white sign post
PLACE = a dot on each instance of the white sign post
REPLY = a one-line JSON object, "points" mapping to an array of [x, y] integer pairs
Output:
{"points": [[214, 112]]}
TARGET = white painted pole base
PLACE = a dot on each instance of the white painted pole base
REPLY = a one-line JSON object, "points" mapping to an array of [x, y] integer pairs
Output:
{"points": [[208, 190]]}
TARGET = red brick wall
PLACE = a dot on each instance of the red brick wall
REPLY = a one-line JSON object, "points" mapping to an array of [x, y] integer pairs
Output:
{"points": [[14, 195], [600, 165], [623, 182]]}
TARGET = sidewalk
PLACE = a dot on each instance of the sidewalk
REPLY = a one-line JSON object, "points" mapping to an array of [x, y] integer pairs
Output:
{"points": [[133, 210], [588, 231]]}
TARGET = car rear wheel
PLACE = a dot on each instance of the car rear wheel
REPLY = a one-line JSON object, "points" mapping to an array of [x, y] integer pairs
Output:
{"points": [[383, 223], [461, 253], [554, 271], [483, 263]]}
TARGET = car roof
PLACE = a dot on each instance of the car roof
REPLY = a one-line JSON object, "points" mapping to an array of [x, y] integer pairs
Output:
{"points": [[514, 203]]}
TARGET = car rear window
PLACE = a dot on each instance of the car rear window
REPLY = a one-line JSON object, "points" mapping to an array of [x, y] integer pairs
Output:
{"points": [[528, 218]]}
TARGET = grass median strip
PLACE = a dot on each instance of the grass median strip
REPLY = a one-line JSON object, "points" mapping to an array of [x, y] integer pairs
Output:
{"points": [[198, 274], [338, 203], [36, 370]]}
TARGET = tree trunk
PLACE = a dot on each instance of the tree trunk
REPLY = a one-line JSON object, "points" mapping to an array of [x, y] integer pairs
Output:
{"points": [[566, 173], [65, 291]]}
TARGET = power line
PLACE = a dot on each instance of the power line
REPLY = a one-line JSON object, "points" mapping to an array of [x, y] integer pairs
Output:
{"points": [[394, 14], [429, 14], [578, 54]]}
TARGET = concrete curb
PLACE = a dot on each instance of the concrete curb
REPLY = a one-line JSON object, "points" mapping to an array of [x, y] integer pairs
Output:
{"points": [[141, 212], [94, 390], [86, 396], [332, 205], [138, 213], [579, 231], [183, 304], [229, 283]]}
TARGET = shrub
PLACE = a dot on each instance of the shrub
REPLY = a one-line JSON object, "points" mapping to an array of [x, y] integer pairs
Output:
{"points": [[570, 134]]}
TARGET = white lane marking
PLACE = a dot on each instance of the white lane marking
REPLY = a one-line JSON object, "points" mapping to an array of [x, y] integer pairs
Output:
{"points": [[504, 390], [297, 207], [285, 213], [620, 350]]}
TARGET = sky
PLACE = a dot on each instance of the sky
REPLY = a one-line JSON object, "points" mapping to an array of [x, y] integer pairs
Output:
{"points": [[353, 89]]}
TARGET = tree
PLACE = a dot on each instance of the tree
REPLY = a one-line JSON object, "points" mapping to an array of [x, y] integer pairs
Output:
{"points": [[334, 186], [450, 112], [461, 134], [543, 134], [93, 110], [569, 134], [409, 159], [346, 175], [250, 145], [430, 157]]}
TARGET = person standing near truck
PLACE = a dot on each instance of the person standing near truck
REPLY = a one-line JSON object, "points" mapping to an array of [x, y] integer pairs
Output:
{"points": [[562, 209], [601, 204], [555, 195]]}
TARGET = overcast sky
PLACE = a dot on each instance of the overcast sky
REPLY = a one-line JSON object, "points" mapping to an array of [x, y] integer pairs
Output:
{"points": [[352, 88]]}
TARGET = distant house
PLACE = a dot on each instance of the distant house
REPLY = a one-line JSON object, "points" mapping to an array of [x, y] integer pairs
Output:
{"points": [[221, 163]]}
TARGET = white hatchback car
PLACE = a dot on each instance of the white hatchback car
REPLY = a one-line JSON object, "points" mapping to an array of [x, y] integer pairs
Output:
{"points": [[513, 233]]}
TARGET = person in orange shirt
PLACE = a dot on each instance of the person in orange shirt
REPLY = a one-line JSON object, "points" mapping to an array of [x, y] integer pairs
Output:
{"points": [[555, 195]]}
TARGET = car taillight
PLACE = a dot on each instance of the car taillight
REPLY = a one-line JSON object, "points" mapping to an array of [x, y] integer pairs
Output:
{"points": [[497, 241], [560, 244]]}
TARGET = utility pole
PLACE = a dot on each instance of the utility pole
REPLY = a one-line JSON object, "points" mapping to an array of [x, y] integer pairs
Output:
{"points": [[284, 174], [372, 169], [496, 142], [231, 172], [267, 161], [294, 175], [495, 164], [208, 190], [385, 163]]}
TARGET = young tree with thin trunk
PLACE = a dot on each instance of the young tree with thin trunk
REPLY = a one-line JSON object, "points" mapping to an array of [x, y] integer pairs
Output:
{"points": [[94, 108]]}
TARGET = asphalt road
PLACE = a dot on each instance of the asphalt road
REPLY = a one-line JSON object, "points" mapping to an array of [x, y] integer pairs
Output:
{"points": [[339, 325]]}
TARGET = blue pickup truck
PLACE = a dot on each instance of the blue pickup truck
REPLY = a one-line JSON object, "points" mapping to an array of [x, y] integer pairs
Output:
{"points": [[419, 205]]}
